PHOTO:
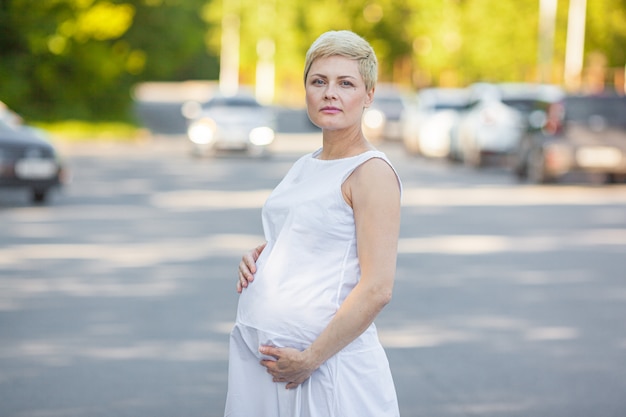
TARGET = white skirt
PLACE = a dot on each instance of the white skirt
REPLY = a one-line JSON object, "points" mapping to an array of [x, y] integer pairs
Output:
{"points": [[356, 382]]}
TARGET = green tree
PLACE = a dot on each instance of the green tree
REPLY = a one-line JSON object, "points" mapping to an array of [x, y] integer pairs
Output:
{"points": [[606, 30], [61, 58], [78, 59], [169, 38]]}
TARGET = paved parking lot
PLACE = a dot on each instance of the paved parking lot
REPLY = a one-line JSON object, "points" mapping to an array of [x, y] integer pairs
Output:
{"points": [[118, 296]]}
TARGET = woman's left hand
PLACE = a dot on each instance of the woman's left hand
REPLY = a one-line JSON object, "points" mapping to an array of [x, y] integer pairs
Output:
{"points": [[291, 365]]}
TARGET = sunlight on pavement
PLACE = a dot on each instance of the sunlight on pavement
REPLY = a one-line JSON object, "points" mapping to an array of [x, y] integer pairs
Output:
{"points": [[421, 335], [15, 289], [552, 333], [101, 276], [64, 352], [133, 254], [473, 330], [511, 196], [481, 244], [491, 408], [210, 199]]}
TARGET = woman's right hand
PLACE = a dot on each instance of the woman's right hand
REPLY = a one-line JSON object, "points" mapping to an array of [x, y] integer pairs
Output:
{"points": [[247, 267]]}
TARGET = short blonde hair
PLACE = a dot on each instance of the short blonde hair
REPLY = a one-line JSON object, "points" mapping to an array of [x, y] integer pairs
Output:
{"points": [[347, 44]]}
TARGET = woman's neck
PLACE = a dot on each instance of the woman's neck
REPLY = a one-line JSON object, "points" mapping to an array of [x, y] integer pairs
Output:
{"points": [[339, 144]]}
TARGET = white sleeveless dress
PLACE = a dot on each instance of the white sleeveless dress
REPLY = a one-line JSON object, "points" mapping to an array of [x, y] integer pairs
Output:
{"points": [[303, 275]]}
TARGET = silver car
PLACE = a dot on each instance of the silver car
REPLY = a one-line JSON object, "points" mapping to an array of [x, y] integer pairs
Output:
{"points": [[236, 123], [497, 117], [584, 133], [427, 124]]}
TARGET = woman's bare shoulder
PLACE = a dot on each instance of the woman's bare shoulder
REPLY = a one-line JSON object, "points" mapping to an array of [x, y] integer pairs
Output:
{"points": [[376, 171]]}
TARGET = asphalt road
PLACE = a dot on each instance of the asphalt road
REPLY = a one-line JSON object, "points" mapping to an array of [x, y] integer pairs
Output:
{"points": [[116, 298]]}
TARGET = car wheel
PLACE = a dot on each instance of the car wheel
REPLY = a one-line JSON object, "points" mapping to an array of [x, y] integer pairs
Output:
{"points": [[473, 157], [536, 168], [39, 196], [520, 170], [614, 178], [520, 167], [453, 156]]}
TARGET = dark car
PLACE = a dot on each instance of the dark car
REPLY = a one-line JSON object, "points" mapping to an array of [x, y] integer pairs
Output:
{"points": [[28, 160], [582, 133]]}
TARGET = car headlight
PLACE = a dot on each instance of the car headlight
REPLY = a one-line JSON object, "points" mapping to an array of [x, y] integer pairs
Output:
{"points": [[202, 131], [262, 136], [374, 119]]}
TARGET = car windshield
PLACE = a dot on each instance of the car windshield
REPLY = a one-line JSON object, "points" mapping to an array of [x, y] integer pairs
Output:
{"points": [[232, 102], [392, 104], [522, 105], [611, 110], [449, 106], [5, 127]]}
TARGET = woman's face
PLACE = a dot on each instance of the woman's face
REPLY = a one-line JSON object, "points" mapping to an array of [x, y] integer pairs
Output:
{"points": [[335, 93]]}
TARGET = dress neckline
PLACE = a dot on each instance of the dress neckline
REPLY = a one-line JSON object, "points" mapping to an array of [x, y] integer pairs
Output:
{"points": [[314, 156]]}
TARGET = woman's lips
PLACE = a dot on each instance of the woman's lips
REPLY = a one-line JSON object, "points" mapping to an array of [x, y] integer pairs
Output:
{"points": [[330, 110]]}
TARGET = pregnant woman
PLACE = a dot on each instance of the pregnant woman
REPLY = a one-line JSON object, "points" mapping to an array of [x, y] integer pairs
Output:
{"points": [[304, 343]]}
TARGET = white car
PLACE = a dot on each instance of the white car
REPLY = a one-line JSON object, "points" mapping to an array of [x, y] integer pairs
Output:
{"points": [[382, 120], [428, 122], [236, 123], [497, 117]]}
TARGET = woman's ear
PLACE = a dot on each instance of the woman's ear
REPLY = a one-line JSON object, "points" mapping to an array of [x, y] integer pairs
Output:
{"points": [[370, 97]]}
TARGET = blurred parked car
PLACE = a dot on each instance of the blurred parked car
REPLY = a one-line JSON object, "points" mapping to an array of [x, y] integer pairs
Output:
{"points": [[9, 117], [583, 133], [382, 120], [27, 160], [231, 123], [498, 115], [428, 122]]}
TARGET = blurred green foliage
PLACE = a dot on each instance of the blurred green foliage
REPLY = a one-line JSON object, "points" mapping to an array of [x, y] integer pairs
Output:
{"points": [[82, 131], [78, 59]]}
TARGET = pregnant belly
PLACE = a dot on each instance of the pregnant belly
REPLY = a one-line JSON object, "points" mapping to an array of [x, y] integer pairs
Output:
{"points": [[299, 318]]}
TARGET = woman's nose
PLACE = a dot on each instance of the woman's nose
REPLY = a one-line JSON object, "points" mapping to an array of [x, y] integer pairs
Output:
{"points": [[330, 92]]}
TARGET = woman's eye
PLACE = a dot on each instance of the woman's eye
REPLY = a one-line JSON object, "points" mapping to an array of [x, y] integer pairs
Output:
{"points": [[346, 83], [318, 82]]}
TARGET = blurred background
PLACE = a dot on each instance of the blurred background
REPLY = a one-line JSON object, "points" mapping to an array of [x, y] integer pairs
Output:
{"points": [[117, 295], [83, 59], [462, 80]]}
